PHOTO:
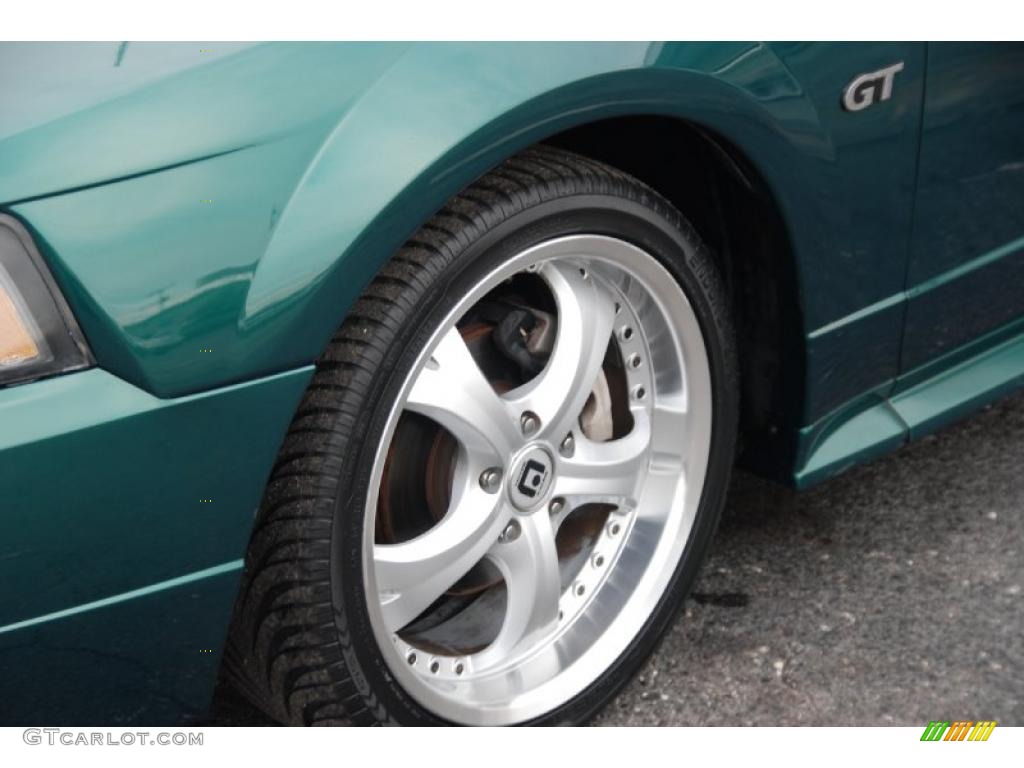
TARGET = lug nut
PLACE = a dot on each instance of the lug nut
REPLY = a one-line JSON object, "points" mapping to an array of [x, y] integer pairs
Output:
{"points": [[568, 446], [490, 479], [511, 532], [529, 423], [556, 506]]}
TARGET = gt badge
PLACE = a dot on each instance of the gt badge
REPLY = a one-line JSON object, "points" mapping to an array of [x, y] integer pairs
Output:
{"points": [[864, 90]]}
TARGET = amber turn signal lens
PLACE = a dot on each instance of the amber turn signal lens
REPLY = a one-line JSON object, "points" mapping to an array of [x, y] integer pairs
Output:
{"points": [[16, 344], [38, 334]]}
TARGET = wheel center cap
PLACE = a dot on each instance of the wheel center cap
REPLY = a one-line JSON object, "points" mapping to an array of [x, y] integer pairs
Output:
{"points": [[531, 477]]}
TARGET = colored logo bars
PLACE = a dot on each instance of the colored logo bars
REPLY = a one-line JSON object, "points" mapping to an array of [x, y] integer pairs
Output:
{"points": [[959, 730]]}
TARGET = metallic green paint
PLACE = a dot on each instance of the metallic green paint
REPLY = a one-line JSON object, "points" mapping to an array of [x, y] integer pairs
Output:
{"points": [[149, 660], [865, 429], [966, 271], [963, 388], [123, 519], [916, 404], [356, 145], [211, 211], [217, 570], [107, 489]]}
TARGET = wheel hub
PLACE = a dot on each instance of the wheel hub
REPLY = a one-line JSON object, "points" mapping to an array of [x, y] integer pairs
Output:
{"points": [[531, 477]]}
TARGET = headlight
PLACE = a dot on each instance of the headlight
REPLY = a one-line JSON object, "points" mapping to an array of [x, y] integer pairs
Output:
{"points": [[38, 335]]}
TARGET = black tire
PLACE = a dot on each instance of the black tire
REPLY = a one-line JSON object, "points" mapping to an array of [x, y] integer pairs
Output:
{"points": [[301, 647]]}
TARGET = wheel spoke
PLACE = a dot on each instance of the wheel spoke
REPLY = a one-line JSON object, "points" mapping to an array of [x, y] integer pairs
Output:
{"points": [[529, 565], [413, 574], [452, 390], [607, 471], [586, 314]]}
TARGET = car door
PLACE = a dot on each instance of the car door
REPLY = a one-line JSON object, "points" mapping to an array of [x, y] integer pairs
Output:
{"points": [[966, 270]]}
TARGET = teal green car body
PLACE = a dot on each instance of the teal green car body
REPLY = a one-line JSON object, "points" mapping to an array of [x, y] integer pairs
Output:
{"points": [[211, 212]]}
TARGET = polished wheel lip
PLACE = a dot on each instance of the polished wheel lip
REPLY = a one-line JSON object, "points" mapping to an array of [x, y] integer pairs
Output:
{"points": [[659, 334]]}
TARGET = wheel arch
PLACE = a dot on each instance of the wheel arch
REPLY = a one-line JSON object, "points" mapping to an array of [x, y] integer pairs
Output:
{"points": [[377, 177], [717, 188]]}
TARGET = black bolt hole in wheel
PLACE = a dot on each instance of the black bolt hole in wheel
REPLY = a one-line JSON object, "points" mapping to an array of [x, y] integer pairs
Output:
{"points": [[507, 468]]}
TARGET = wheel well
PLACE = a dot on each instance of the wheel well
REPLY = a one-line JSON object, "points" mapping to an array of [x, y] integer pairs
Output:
{"points": [[723, 196]]}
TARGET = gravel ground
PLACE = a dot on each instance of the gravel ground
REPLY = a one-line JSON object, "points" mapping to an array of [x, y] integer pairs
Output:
{"points": [[892, 595]]}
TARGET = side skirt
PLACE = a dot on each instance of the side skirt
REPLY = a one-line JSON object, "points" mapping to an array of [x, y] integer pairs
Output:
{"points": [[914, 405]]}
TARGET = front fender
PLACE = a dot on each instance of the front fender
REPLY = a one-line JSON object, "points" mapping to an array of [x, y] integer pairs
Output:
{"points": [[442, 116], [256, 244]]}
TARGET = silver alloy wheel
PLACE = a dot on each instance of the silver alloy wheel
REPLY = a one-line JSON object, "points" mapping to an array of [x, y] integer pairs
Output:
{"points": [[524, 464]]}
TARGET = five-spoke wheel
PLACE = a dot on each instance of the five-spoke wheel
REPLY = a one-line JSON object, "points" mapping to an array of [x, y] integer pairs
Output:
{"points": [[571, 485], [501, 482]]}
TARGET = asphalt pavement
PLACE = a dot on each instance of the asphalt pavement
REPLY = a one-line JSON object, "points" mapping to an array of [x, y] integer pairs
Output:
{"points": [[891, 595]]}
